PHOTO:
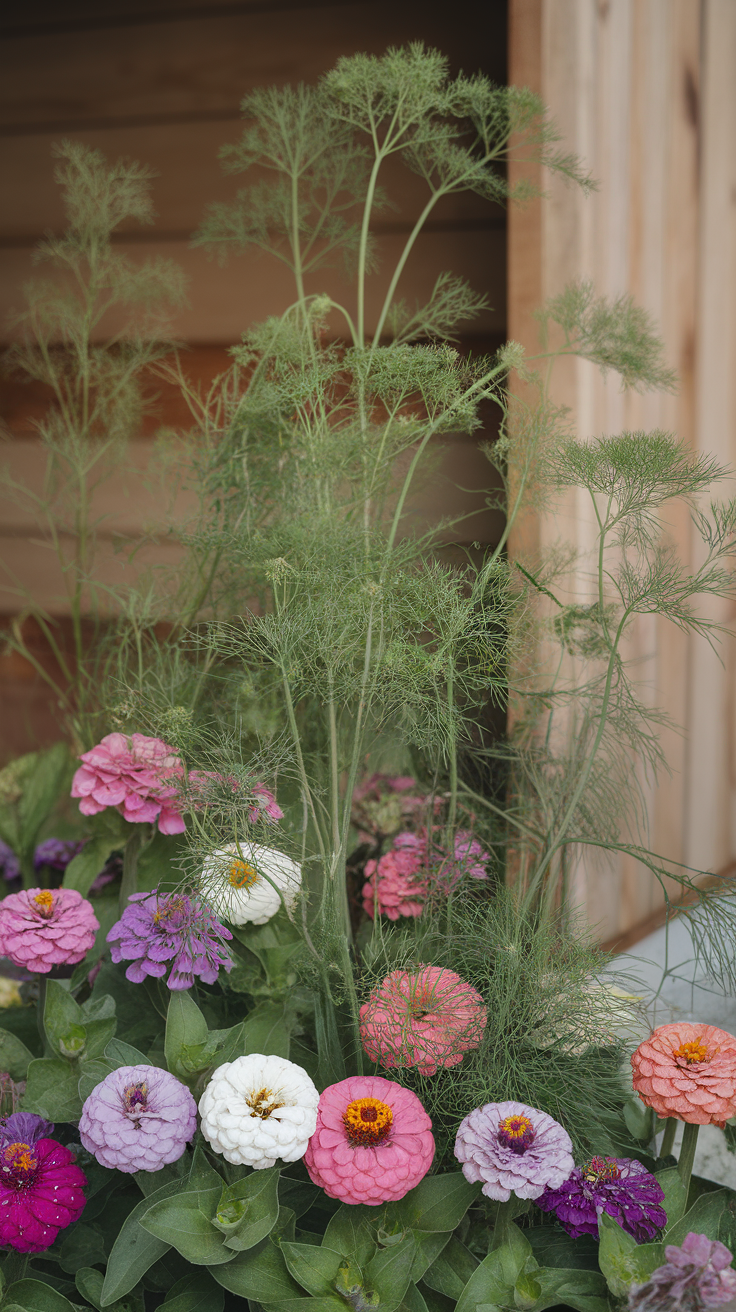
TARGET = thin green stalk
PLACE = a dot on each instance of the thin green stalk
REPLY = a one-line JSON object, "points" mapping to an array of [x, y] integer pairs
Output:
{"points": [[334, 773], [40, 1007], [452, 810], [129, 881], [306, 791], [668, 1138], [408, 247], [363, 248], [687, 1153]]}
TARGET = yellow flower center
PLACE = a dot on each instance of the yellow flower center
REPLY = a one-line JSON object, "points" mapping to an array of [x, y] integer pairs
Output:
{"points": [[516, 1132], [263, 1103], [692, 1052], [243, 875], [600, 1168], [19, 1162], [367, 1122], [44, 902]]}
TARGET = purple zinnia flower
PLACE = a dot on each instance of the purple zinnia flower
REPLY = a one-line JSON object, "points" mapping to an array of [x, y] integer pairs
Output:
{"points": [[153, 931], [139, 1118], [513, 1149], [694, 1277], [9, 862], [57, 852], [619, 1186]]}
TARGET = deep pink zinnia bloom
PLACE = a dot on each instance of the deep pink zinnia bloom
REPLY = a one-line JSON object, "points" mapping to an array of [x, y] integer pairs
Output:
{"points": [[139, 776], [394, 884], [426, 1018], [44, 927], [40, 1185], [373, 1141]]}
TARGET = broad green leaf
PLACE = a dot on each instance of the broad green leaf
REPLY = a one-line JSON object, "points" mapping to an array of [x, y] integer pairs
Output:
{"points": [[527, 1290], [413, 1301], [51, 1090], [438, 1203], [135, 1249], [389, 1272], [645, 1259], [248, 1210], [195, 1293], [298, 1194], [180, 1222], [615, 1255], [92, 1074], [185, 1027], [89, 1283], [451, 1270], [14, 1056], [429, 1246], [314, 1268], [306, 1305], [260, 1274], [640, 1119], [266, 1030], [99, 1034], [204, 1177], [704, 1217], [35, 1296], [123, 1054], [61, 1014], [84, 868], [585, 1291], [348, 1233], [45, 784], [675, 1194], [488, 1284], [157, 863], [81, 1245]]}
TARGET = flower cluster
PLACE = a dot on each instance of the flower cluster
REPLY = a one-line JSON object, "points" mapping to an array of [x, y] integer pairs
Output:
{"points": [[246, 883], [40, 1184], [694, 1277], [258, 1110], [140, 1118], [41, 928], [383, 804], [373, 1141], [619, 1186], [154, 931], [428, 1018], [139, 776], [689, 1072], [513, 1149]]}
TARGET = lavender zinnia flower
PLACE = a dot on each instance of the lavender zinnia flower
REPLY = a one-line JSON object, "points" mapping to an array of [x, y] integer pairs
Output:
{"points": [[24, 1127], [153, 931], [9, 862], [619, 1186], [694, 1277], [139, 1118], [513, 1149], [56, 852]]}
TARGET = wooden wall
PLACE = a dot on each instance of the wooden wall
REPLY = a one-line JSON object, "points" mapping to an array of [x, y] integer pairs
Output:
{"points": [[162, 82], [645, 91]]}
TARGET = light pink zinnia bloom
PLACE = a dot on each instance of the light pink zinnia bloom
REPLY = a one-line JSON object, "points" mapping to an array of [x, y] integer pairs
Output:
{"points": [[427, 1018], [266, 804], [689, 1072], [394, 883], [139, 776], [44, 927], [373, 1141]]}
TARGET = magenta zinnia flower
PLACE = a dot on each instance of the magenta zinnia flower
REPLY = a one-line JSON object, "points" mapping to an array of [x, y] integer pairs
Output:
{"points": [[43, 927], [694, 1277], [139, 1118], [427, 1018], [139, 776], [394, 884], [513, 1149], [373, 1141], [40, 1184], [620, 1186], [154, 931]]}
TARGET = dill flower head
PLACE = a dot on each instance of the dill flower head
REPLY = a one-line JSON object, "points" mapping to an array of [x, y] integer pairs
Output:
{"points": [[513, 1149], [245, 882], [373, 1141], [139, 776], [43, 927], [688, 1071], [139, 1118], [620, 1186], [258, 1110], [40, 1184], [175, 928], [696, 1275], [427, 1018], [395, 884]]}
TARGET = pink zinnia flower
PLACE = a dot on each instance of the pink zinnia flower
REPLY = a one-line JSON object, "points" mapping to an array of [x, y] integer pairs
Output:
{"points": [[428, 1018], [44, 927], [266, 805], [394, 882], [696, 1275], [688, 1071], [373, 1141], [139, 776], [40, 1185]]}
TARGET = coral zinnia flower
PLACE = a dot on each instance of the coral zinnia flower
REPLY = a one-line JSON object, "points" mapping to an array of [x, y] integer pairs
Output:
{"points": [[428, 1018], [688, 1071], [373, 1141], [40, 1185], [43, 927], [513, 1149], [620, 1186], [139, 776]]}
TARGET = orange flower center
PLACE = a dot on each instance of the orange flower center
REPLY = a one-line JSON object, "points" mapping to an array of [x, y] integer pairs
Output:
{"points": [[692, 1052], [44, 902], [516, 1132], [367, 1122], [19, 1163], [600, 1168], [243, 875]]}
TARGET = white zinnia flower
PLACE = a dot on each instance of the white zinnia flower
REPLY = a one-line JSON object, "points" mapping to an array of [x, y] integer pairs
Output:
{"points": [[258, 1109], [238, 882]]}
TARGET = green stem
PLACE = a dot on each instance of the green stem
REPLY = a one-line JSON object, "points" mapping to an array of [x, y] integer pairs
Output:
{"points": [[129, 881], [687, 1153], [505, 1213], [668, 1138], [40, 1007]]}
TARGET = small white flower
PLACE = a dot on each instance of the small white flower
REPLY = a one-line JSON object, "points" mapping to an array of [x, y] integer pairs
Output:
{"points": [[257, 1110], [245, 883]]}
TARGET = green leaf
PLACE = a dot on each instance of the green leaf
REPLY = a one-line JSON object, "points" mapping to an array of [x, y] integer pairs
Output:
{"points": [[61, 1014], [89, 1283], [135, 1249], [123, 1054], [615, 1255], [81, 1245], [585, 1291], [438, 1203], [185, 1027], [527, 1290], [84, 868], [675, 1194], [348, 1232], [451, 1270], [704, 1217], [266, 1030], [413, 1301], [51, 1090], [184, 1223], [389, 1272], [639, 1119], [314, 1268], [299, 1194], [430, 1244], [489, 1283], [14, 1056], [196, 1292], [35, 1296], [248, 1210], [92, 1074], [43, 788], [260, 1274]]}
